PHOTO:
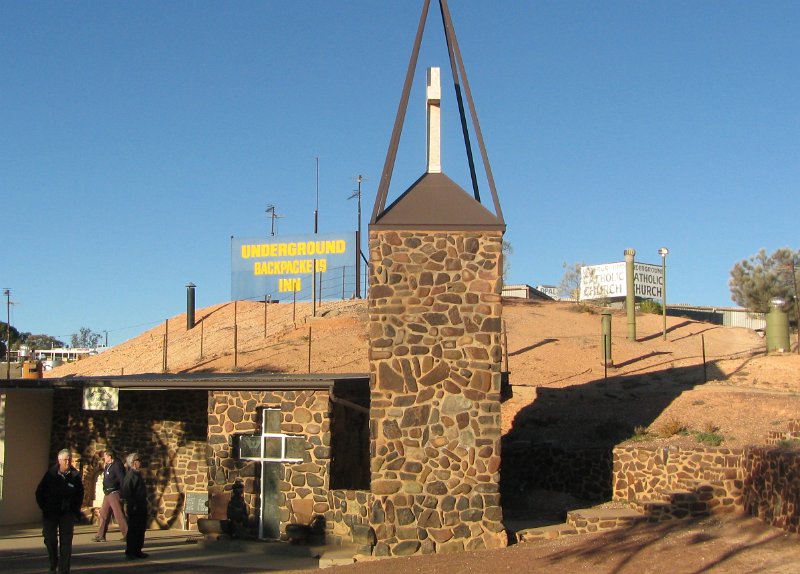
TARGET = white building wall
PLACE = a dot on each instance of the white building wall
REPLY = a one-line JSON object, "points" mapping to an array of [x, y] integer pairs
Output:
{"points": [[24, 452]]}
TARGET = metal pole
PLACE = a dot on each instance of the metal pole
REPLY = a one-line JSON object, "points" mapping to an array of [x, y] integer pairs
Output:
{"points": [[664, 292], [796, 304], [663, 251], [7, 293], [344, 268], [358, 239], [266, 306], [630, 296], [202, 327], [235, 338], [703, 343], [309, 348], [166, 343]]}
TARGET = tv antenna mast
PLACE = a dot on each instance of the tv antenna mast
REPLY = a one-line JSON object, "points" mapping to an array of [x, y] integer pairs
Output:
{"points": [[359, 255], [273, 216]]}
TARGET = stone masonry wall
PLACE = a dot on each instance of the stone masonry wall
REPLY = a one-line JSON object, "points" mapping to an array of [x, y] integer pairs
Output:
{"points": [[167, 428], [772, 486], [303, 484], [763, 481], [435, 353]]}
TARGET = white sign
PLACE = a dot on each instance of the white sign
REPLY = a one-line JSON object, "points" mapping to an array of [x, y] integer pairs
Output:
{"points": [[100, 399], [549, 290], [608, 281]]}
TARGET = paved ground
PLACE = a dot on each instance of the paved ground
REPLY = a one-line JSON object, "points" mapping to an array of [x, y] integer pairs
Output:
{"points": [[22, 551]]}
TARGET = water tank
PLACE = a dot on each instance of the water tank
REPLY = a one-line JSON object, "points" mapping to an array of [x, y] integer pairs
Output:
{"points": [[777, 327]]}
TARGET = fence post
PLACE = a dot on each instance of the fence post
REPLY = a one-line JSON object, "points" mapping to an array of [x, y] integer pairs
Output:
{"points": [[703, 343], [235, 338], [605, 329], [166, 341], [309, 348]]}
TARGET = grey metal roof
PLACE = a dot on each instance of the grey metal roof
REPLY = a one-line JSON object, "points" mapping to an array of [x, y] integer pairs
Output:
{"points": [[435, 201], [194, 381]]}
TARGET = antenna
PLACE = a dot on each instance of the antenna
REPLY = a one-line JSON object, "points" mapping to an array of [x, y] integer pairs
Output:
{"points": [[316, 208], [273, 216], [357, 195]]}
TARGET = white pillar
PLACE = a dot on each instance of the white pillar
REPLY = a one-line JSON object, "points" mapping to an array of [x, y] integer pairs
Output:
{"points": [[433, 101]]}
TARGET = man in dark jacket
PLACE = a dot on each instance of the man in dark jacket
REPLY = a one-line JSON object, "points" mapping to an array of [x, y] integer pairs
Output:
{"points": [[135, 494], [60, 495], [113, 475]]}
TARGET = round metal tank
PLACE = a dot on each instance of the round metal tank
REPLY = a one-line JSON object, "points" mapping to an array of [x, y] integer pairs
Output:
{"points": [[31, 370], [777, 330]]}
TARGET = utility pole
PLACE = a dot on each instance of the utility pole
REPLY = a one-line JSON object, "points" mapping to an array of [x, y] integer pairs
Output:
{"points": [[7, 293], [314, 270], [357, 195]]}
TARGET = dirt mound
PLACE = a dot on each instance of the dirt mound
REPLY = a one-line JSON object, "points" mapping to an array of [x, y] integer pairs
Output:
{"points": [[656, 391]]}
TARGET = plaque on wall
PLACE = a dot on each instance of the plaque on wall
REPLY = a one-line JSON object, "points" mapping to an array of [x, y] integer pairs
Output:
{"points": [[100, 399]]}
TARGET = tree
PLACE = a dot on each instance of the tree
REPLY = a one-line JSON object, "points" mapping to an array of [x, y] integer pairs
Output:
{"points": [[570, 285], [507, 251], [760, 278], [85, 338], [40, 341], [12, 334]]}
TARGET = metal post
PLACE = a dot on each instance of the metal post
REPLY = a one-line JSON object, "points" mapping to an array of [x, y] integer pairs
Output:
{"points": [[7, 293], [664, 252], [344, 269], [314, 291], [703, 343], [796, 304], [309, 348], [166, 343], [235, 338], [630, 296], [202, 328], [267, 299], [605, 330], [294, 307]]}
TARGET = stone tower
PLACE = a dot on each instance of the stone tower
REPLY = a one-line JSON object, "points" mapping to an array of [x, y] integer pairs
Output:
{"points": [[435, 357]]}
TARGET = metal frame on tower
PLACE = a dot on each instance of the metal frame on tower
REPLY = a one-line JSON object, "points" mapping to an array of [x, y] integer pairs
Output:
{"points": [[459, 78]]}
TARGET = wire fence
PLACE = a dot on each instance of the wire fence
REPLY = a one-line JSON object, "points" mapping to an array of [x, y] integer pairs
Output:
{"points": [[255, 319]]}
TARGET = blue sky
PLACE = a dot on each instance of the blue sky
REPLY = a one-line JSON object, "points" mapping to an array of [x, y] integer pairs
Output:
{"points": [[137, 137]]}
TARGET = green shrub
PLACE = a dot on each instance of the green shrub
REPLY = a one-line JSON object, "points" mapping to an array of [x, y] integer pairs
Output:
{"points": [[650, 306], [709, 438]]}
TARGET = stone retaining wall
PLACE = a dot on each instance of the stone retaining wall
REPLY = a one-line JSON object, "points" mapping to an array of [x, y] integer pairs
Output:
{"points": [[435, 352], [763, 481], [583, 473], [772, 486]]}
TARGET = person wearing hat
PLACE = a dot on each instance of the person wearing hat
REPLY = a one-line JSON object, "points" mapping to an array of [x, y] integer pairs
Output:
{"points": [[60, 495], [134, 492], [113, 475]]}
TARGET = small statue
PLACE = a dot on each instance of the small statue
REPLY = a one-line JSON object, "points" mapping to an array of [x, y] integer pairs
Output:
{"points": [[238, 517]]}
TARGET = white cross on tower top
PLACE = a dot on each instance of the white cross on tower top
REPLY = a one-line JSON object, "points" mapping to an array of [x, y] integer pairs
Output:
{"points": [[433, 101]]}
